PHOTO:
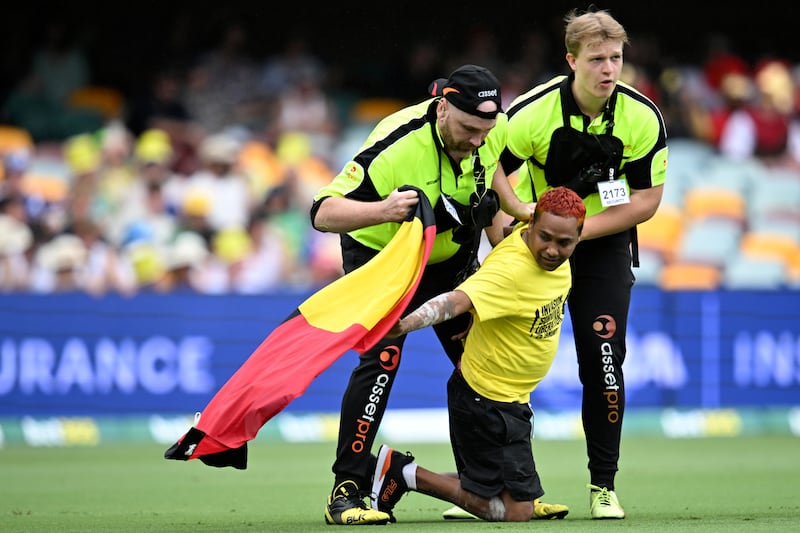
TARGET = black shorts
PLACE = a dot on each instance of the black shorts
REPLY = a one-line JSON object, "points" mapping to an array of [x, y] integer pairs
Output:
{"points": [[491, 443]]}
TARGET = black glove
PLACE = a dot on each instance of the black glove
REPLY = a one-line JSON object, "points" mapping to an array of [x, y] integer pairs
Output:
{"points": [[585, 183], [484, 209], [469, 269]]}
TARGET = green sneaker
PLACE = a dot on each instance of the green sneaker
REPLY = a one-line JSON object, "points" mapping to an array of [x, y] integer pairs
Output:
{"points": [[541, 511], [603, 503], [346, 507]]}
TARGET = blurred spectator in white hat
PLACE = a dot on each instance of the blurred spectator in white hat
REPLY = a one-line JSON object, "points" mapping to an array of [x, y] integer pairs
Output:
{"points": [[15, 239], [57, 265], [116, 172], [221, 182], [105, 269], [186, 265]]}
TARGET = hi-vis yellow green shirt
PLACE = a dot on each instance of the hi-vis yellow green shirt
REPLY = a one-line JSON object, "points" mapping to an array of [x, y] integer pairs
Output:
{"points": [[405, 149], [636, 121], [519, 309]]}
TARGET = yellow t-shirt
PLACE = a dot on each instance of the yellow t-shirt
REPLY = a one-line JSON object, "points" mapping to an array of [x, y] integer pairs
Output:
{"points": [[517, 317]]}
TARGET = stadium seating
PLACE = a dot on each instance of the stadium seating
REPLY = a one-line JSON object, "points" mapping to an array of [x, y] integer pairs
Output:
{"points": [[773, 246], [650, 266], [705, 202], [739, 223], [721, 223], [723, 173], [747, 272], [662, 233], [709, 241], [13, 138], [776, 197], [680, 276], [371, 110], [107, 101]]}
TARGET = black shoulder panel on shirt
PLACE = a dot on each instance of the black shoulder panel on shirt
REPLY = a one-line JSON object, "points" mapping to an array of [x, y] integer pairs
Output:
{"points": [[639, 97], [522, 103]]}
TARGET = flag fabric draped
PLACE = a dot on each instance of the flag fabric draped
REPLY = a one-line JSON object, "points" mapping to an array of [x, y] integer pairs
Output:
{"points": [[352, 313]]}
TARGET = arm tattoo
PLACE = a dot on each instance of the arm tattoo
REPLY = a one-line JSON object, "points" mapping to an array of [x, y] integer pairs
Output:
{"points": [[434, 311]]}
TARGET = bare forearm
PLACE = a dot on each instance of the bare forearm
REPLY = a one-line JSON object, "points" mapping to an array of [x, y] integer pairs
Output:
{"points": [[340, 215], [434, 311], [642, 206], [495, 232], [509, 202]]}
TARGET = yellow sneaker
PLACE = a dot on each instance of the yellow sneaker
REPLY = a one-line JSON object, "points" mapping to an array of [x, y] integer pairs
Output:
{"points": [[346, 507], [603, 503], [541, 511], [548, 511]]}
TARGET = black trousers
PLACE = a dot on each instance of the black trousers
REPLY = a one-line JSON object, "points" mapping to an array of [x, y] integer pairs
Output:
{"points": [[366, 398], [491, 443], [598, 306]]}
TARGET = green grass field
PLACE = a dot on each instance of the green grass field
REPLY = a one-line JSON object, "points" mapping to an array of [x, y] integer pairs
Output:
{"points": [[711, 485]]}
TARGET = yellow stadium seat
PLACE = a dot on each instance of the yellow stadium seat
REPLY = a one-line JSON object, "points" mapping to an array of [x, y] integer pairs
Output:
{"points": [[765, 245], [374, 109], [715, 202], [689, 277], [662, 233], [107, 101], [13, 138], [259, 162], [50, 188]]}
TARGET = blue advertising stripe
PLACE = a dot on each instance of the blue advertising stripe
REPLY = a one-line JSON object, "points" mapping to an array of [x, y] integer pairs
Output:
{"points": [[77, 355]]}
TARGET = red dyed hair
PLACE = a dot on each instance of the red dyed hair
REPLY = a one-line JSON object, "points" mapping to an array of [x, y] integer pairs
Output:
{"points": [[562, 202]]}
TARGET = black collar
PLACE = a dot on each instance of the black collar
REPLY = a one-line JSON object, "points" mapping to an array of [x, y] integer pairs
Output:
{"points": [[569, 106]]}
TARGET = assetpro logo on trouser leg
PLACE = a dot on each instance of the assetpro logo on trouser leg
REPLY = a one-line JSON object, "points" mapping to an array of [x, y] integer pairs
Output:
{"points": [[602, 377], [363, 406], [380, 379], [605, 326]]}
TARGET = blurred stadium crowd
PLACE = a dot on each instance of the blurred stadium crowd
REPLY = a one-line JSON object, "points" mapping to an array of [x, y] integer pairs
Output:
{"points": [[201, 179]]}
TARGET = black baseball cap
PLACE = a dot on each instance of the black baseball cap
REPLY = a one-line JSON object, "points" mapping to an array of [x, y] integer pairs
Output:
{"points": [[467, 87]]}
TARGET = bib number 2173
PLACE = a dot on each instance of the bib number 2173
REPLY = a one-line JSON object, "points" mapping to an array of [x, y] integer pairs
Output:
{"points": [[614, 192]]}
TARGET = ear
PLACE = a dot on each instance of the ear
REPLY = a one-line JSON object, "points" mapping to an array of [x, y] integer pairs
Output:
{"points": [[441, 108], [571, 59]]}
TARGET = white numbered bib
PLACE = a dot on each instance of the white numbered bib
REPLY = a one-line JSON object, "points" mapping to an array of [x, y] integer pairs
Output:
{"points": [[614, 192]]}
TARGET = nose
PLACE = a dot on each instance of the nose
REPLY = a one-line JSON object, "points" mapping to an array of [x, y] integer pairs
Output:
{"points": [[552, 252], [477, 140]]}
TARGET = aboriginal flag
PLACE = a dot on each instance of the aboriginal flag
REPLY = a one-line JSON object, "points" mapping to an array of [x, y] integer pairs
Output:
{"points": [[352, 313]]}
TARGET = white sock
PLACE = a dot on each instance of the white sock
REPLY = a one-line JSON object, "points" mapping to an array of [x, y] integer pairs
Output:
{"points": [[497, 509], [410, 475]]}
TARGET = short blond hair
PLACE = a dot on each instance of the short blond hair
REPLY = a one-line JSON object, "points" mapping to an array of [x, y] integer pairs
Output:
{"points": [[589, 28]]}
